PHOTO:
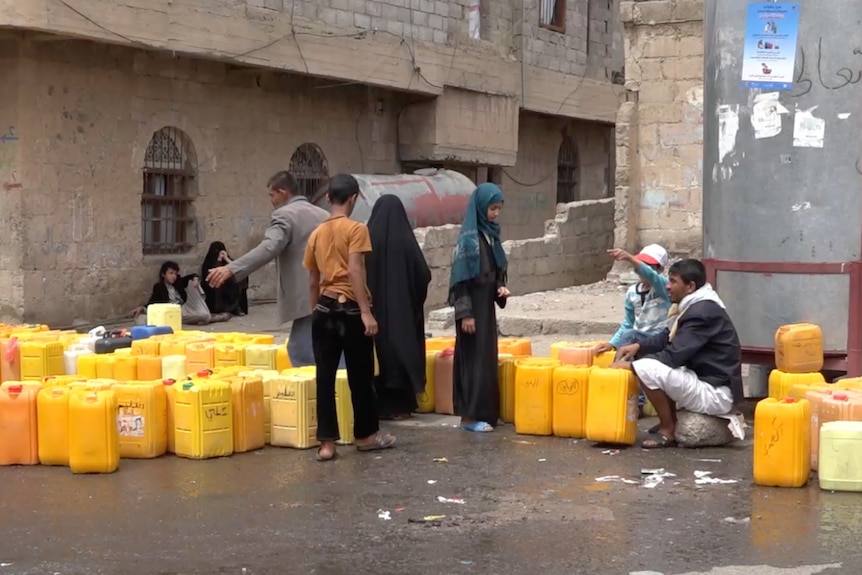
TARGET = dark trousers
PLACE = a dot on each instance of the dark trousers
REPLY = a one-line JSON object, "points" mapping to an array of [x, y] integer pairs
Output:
{"points": [[336, 329]]}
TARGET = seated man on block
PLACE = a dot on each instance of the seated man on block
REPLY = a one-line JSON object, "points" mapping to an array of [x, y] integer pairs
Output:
{"points": [[696, 364]]}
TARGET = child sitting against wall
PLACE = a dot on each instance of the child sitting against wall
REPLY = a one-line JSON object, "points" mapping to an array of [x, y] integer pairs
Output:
{"points": [[183, 291]]}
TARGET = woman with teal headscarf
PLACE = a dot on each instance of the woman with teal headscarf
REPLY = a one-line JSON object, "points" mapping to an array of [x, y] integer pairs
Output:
{"points": [[477, 281]]}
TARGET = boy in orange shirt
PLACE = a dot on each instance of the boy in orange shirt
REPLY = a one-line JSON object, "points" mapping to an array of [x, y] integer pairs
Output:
{"points": [[342, 321]]}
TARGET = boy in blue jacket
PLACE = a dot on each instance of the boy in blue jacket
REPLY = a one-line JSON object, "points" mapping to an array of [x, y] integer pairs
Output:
{"points": [[647, 302]]}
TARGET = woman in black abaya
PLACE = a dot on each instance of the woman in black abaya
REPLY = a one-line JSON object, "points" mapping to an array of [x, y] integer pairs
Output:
{"points": [[232, 296], [398, 279], [477, 281]]}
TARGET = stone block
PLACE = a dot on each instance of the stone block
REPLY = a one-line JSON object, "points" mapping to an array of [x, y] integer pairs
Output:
{"points": [[683, 68], [664, 113], [660, 92], [268, 4], [680, 134], [344, 18], [659, 46], [404, 16], [444, 316], [688, 10], [653, 12], [362, 21], [374, 8], [650, 69], [691, 46], [697, 430], [627, 11]]}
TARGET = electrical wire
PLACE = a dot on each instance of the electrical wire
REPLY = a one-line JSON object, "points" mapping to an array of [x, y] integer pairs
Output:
{"points": [[550, 174], [99, 26]]}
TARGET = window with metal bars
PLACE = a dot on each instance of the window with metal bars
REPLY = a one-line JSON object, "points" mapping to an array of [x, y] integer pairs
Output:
{"points": [[568, 172], [308, 165], [552, 14], [166, 200]]}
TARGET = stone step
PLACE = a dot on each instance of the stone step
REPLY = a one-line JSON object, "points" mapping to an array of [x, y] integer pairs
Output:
{"points": [[526, 326]]}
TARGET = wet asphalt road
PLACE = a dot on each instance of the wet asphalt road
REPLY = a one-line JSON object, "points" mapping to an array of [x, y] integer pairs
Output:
{"points": [[531, 505]]}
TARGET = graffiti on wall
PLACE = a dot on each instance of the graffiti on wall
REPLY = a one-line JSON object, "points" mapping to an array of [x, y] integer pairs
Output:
{"points": [[8, 151]]}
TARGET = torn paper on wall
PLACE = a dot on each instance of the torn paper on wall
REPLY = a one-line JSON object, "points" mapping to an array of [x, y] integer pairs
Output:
{"points": [[766, 115], [728, 126], [808, 131]]}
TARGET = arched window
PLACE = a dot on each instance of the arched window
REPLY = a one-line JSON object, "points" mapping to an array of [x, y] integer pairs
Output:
{"points": [[568, 172], [169, 170], [308, 165]]}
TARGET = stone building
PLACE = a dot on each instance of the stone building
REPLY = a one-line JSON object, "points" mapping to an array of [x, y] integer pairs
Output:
{"points": [[659, 181], [135, 132]]}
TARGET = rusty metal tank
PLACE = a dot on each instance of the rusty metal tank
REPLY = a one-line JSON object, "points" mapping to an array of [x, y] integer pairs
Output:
{"points": [[782, 170], [432, 197]]}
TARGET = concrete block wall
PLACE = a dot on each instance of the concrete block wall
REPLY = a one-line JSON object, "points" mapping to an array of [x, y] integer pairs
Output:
{"points": [[592, 43], [91, 112], [417, 20], [572, 251], [662, 147], [530, 186], [466, 126], [13, 228], [71, 233]]}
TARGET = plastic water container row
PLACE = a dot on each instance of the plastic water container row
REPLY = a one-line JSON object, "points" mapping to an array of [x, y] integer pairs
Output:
{"points": [[89, 425], [439, 364], [31, 356], [124, 366], [816, 427]]}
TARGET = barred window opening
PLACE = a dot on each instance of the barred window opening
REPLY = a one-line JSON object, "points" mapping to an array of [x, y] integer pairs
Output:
{"points": [[308, 165], [166, 199], [568, 172]]}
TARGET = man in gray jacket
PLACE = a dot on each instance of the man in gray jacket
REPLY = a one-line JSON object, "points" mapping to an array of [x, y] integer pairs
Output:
{"points": [[291, 223]]}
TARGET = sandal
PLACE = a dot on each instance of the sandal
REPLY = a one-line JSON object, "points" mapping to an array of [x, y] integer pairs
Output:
{"points": [[323, 458], [477, 426], [380, 442], [654, 429], [658, 441]]}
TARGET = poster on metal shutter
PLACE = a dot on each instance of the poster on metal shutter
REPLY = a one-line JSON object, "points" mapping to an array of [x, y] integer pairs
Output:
{"points": [[769, 53]]}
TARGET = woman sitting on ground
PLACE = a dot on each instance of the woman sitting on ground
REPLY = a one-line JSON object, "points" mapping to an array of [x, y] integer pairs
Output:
{"points": [[232, 296], [183, 291]]}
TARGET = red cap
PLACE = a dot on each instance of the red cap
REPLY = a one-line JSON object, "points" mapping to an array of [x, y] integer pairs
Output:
{"points": [[840, 396], [169, 381], [448, 352], [205, 373], [788, 400], [15, 388]]}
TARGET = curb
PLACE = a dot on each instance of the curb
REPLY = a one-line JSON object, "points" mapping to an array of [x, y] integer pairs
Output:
{"points": [[525, 326]]}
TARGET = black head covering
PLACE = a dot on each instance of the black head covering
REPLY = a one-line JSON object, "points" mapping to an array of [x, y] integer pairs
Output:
{"points": [[211, 259], [398, 278]]}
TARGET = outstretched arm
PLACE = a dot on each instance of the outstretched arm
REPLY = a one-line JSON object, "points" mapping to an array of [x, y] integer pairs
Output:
{"points": [[275, 239]]}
